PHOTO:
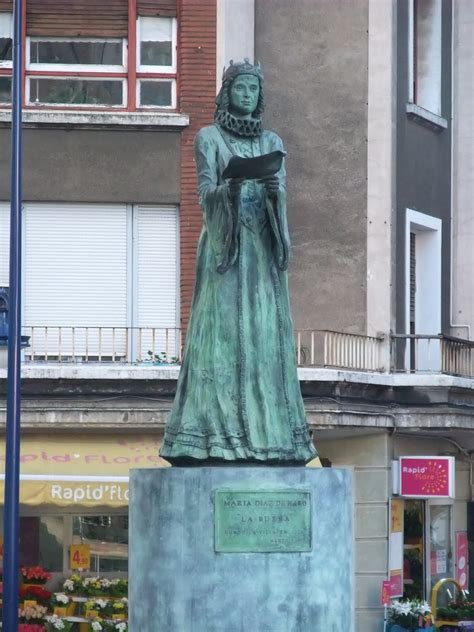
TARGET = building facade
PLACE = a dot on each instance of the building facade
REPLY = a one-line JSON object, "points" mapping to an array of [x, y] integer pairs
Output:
{"points": [[374, 105]]}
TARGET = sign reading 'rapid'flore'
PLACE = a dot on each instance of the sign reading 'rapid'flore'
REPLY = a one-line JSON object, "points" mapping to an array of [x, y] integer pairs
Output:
{"points": [[426, 476]]}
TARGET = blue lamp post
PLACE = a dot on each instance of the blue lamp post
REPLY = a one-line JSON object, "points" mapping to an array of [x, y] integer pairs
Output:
{"points": [[12, 457]]}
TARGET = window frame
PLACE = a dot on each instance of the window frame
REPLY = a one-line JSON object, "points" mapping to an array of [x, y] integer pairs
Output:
{"points": [[69, 77], [76, 68], [8, 65], [138, 93], [147, 69], [131, 72]]}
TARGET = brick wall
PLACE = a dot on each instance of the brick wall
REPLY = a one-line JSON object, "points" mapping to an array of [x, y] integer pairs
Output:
{"points": [[197, 89]]}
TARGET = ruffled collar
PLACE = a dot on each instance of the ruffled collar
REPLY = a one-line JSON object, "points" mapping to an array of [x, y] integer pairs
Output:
{"points": [[247, 128]]}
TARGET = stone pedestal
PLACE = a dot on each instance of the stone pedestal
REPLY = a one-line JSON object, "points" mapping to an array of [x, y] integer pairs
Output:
{"points": [[184, 520]]}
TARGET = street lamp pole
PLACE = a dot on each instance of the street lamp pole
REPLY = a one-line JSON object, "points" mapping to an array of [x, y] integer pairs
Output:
{"points": [[12, 457]]}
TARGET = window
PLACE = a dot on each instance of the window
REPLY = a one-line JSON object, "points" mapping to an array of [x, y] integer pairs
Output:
{"points": [[92, 59], [108, 539], [114, 304], [156, 62], [423, 288], [425, 54], [6, 52]]}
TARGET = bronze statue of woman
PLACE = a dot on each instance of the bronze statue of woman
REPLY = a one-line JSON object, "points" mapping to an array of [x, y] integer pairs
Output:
{"points": [[238, 395]]}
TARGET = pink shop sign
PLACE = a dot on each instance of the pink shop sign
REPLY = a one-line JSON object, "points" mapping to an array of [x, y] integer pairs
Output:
{"points": [[427, 476]]}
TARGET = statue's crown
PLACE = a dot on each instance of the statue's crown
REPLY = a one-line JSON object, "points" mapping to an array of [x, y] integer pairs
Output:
{"points": [[242, 68]]}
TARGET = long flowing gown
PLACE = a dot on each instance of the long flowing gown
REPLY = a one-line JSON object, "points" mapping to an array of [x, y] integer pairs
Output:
{"points": [[238, 395]]}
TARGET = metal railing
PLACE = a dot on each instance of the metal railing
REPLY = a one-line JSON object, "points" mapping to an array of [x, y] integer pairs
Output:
{"points": [[334, 349], [158, 345], [416, 353]]}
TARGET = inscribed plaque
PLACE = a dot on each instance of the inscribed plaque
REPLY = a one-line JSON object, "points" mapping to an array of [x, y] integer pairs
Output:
{"points": [[262, 521]]}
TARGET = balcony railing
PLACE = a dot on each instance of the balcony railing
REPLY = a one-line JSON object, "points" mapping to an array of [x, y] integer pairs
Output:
{"points": [[403, 353], [314, 348], [103, 344], [333, 349], [432, 354]]}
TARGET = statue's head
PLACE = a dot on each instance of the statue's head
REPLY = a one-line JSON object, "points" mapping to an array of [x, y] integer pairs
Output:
{"points": [[241, 93]]}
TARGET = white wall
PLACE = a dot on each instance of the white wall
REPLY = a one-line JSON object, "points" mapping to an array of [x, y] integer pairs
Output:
{"points": [[235, 33], [463, 170]]}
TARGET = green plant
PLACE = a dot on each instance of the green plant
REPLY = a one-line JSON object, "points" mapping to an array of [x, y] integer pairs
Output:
{"points": [[409, 614], [161, 358]]}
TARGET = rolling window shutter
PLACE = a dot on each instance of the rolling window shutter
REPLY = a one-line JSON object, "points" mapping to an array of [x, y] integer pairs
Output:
{"points": [[156, 242], [75, 18], [4, 244], [6, 5], [75, 274], [157, 8]]}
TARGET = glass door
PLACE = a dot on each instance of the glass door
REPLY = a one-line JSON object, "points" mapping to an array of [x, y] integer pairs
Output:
{"points": [[440, 561]]}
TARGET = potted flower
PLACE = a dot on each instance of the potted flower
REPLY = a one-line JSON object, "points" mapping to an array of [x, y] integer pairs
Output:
{"points": [[96, 608], [34, 575], [460, 610], [63, 604], [53, 623], [117, 609], [118, 588], [96, 587], [117, 626], [409, 615], [32, 613], [74, 585], [34, 592]]}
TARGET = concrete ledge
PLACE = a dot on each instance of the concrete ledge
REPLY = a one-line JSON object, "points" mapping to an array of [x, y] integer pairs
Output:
{"points": [[144, 371], [426, 118], [94, 119]]}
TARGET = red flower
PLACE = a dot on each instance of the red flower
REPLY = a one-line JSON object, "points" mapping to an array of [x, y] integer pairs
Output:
{"points": [[35, 592], [35, 574]]}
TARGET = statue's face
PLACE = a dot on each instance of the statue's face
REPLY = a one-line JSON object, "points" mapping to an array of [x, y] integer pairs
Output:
{"points": [[244, 92]]}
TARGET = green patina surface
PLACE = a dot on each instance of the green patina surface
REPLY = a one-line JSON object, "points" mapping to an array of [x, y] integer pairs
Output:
{"points": [[238, 396], [262, 521]]}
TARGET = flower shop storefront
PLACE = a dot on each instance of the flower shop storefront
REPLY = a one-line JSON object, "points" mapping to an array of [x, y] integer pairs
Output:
{"points": [[429, 570], [74, 528]]}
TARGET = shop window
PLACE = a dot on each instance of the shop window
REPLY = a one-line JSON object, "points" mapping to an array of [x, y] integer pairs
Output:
{"points": [[108, 539], [41, 542]]}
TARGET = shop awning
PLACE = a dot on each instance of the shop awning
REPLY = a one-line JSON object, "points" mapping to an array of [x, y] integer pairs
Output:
{"points": [[87, 471]]}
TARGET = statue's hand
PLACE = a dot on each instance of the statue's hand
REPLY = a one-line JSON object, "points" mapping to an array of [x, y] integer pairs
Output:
{"points": [[271, 185], [234, 186]]}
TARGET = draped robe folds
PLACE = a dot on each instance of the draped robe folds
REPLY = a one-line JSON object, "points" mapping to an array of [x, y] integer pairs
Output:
{"points": [[238, 395]]}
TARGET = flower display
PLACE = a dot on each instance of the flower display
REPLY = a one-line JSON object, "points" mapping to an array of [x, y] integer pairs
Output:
{"points": [[35, 575], [73, 584], [36, 593], [36, 612], [118, 588], [460, 610], [53, 623], [410, 614], [60, 599]]}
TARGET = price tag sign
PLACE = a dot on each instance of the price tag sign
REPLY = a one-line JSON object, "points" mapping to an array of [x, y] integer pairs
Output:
{"points": [[80, 556], [385, 593], [29, 603]]}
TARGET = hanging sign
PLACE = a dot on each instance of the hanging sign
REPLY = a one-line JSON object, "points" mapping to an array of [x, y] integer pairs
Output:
{"points": [[462, 569], [80, 556], [426, 476], [385, 597], [396, 548]]}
